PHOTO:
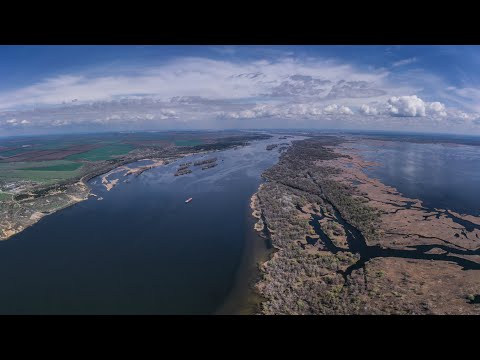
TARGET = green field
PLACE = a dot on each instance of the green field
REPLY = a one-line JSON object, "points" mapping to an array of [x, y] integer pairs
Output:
{"points": [[72, 166], [46, 177], [187, 142], [104, 153], [51, 143], [46, 172]]}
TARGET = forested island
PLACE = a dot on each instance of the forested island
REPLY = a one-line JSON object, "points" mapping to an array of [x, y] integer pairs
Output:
{"points": [[204, 162], [183, 169], [209, 165]]}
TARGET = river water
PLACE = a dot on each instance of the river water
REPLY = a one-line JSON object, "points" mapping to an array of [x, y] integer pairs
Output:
{"points": [[142, 250], [444, 176]]}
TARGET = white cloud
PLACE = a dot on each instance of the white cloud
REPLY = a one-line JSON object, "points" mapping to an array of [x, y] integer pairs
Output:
{"points": [[458, 114], [437, 108], [355, 89], [368, 110], [15, 122], [213, 79], [413, 106], [197, 90], [299, 111], [335, 109], [405, 62], [406, 106]]}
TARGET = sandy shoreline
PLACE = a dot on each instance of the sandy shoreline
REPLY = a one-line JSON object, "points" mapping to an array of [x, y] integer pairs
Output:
{"points": [[257, 212]]}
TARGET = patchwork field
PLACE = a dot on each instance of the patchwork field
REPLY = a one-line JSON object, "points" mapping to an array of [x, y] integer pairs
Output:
{"points": [[26, 161]]}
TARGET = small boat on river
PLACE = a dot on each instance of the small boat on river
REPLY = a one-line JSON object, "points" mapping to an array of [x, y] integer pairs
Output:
{"points": [[188, 200]]}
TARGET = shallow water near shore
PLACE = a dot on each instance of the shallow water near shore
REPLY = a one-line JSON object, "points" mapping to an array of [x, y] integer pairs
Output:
{"points": [[142, 250], [441, 175]]}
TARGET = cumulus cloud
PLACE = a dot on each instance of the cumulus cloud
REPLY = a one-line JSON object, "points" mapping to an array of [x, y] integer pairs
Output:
{"points": [[406, 106], [413, 106], [259, 111], [368, 110], [437, 108], [335, 109], [15, 122], [300, 111]]}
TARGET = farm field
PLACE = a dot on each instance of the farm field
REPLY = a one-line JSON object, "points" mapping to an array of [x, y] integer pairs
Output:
{"points": [[103, 153], [67, 166], [45, 172], [30, 160]]}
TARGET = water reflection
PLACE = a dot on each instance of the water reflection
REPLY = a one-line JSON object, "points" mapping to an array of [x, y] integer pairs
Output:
{"points": [[441, 175]]}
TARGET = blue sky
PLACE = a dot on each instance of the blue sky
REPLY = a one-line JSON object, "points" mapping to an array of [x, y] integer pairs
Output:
{"points": [[77, 88]]}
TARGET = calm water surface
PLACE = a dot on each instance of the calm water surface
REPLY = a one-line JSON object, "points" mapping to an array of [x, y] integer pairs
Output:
{"points": [[142, 250], [441, 175]]}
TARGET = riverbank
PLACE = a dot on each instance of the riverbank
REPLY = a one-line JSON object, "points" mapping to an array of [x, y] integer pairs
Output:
{"points": [[74, 194], [30, 210], [256, 211]]}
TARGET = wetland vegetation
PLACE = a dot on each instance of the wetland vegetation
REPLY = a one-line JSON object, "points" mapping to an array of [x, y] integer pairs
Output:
{"points": [[326, 232]]}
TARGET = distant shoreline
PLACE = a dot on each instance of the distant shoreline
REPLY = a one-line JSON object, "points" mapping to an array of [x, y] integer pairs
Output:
{"points": [[81, 185]]}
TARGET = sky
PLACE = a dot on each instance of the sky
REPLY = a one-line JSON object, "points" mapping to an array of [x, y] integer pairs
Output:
{"points": [[62, 89]]}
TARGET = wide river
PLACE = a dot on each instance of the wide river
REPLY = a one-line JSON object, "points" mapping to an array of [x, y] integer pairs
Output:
{"points": [[142, 250]]}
